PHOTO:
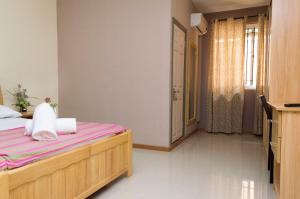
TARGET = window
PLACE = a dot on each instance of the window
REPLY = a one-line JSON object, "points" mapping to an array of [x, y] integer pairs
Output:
{"points": [[248, 189], [251, 48]]}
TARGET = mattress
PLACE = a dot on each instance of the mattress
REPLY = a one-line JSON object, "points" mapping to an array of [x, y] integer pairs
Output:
{"points": [[17, 150]]}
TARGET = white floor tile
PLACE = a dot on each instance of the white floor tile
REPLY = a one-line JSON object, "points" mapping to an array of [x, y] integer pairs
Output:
{"points": [[206, 166]]}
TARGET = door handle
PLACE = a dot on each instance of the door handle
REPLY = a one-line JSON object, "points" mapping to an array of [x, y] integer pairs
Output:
{"points": [[174, 94], [175, 91]]}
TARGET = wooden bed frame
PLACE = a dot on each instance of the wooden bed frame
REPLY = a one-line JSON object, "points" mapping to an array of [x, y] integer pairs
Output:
{"points": [[74, 174]]}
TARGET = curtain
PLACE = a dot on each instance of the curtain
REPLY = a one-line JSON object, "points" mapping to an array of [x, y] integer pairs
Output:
{"points": [[226, 76], [260, 77]]}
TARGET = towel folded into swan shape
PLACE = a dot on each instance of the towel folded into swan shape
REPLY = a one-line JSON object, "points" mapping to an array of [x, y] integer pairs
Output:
{"points": [[43, 127]]}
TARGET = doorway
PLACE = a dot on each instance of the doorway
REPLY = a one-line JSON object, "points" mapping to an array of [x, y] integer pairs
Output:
{"points": [[178, 80]]}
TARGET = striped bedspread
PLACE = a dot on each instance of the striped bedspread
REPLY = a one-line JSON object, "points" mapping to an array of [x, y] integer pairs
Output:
{"points": [[17, 150]]}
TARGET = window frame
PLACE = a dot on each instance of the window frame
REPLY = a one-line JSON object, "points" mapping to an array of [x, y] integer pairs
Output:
{"points": [[253, 26]]}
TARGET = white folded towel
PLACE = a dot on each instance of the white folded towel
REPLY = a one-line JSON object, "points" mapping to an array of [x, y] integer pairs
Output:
{"points": [[66, 125], [62, 126], [28, 127], [44, 123]]}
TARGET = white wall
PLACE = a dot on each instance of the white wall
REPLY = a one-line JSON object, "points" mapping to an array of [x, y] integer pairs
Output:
{"points": [[28, 47], [114, 64]]}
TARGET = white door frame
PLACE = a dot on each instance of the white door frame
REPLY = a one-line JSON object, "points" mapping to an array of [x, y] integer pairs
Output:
{"points": [[179, 25]]}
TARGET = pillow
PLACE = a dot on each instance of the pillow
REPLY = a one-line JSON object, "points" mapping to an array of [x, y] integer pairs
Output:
{"points": [[6, 112]]}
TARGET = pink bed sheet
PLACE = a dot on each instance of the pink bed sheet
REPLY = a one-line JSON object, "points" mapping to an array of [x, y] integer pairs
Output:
{"points": [[17, 150]]}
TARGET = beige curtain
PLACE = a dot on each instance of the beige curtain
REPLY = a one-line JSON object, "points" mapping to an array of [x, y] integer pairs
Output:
{"points": [[226, 76], [261, 68]]}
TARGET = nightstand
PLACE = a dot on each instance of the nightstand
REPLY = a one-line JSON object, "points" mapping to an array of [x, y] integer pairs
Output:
{"points": [[27, 115]]}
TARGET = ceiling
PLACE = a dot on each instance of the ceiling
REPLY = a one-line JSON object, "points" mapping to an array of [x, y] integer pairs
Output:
{"points": [[209, 6]]}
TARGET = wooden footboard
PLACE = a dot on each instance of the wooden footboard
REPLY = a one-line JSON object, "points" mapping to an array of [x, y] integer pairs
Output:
{"points": [[74, 174]]}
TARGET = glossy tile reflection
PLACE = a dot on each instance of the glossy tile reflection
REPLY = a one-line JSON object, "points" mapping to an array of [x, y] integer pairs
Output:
{"points": [[206, 166]]}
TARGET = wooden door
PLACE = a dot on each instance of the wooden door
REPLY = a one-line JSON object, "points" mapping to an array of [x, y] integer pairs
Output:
{"points": [[178, 73]]}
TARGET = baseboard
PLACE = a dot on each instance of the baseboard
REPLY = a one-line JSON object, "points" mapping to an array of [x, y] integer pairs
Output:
{"points": [[162, 148], [151, 147], [203, 130]]}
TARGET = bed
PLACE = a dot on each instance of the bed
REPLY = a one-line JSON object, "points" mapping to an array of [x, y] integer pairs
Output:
{"points": [[74, 173]]}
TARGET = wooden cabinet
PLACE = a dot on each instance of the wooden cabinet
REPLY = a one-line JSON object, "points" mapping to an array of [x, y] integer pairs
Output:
{"points": [[284, 78], [284, 87], [286, 148], [276, 146], [276, 134]]}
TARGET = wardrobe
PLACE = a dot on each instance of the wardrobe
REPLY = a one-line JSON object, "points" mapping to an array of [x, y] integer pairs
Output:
{"points": [[284, 87]]}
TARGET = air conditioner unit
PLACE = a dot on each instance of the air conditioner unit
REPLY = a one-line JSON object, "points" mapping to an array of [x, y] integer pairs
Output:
{"points": [[199, 23]]}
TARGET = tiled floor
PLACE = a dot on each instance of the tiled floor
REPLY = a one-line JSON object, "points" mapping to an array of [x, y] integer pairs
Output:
{"points": [[206, 166]]}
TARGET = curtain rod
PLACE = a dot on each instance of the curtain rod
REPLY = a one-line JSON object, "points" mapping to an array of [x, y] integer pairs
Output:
{"points": [[224, 19]]}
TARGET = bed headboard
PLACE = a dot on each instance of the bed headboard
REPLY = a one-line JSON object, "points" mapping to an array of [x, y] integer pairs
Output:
{"points": [[1, 97]]}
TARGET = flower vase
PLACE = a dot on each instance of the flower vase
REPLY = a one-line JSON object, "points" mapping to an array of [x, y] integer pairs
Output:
{"points": [[23, 109]]}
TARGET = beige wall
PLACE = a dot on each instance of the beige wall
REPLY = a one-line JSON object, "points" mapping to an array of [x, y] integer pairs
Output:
{"points": [[114, 64], [28, 50], [181, 10]]}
